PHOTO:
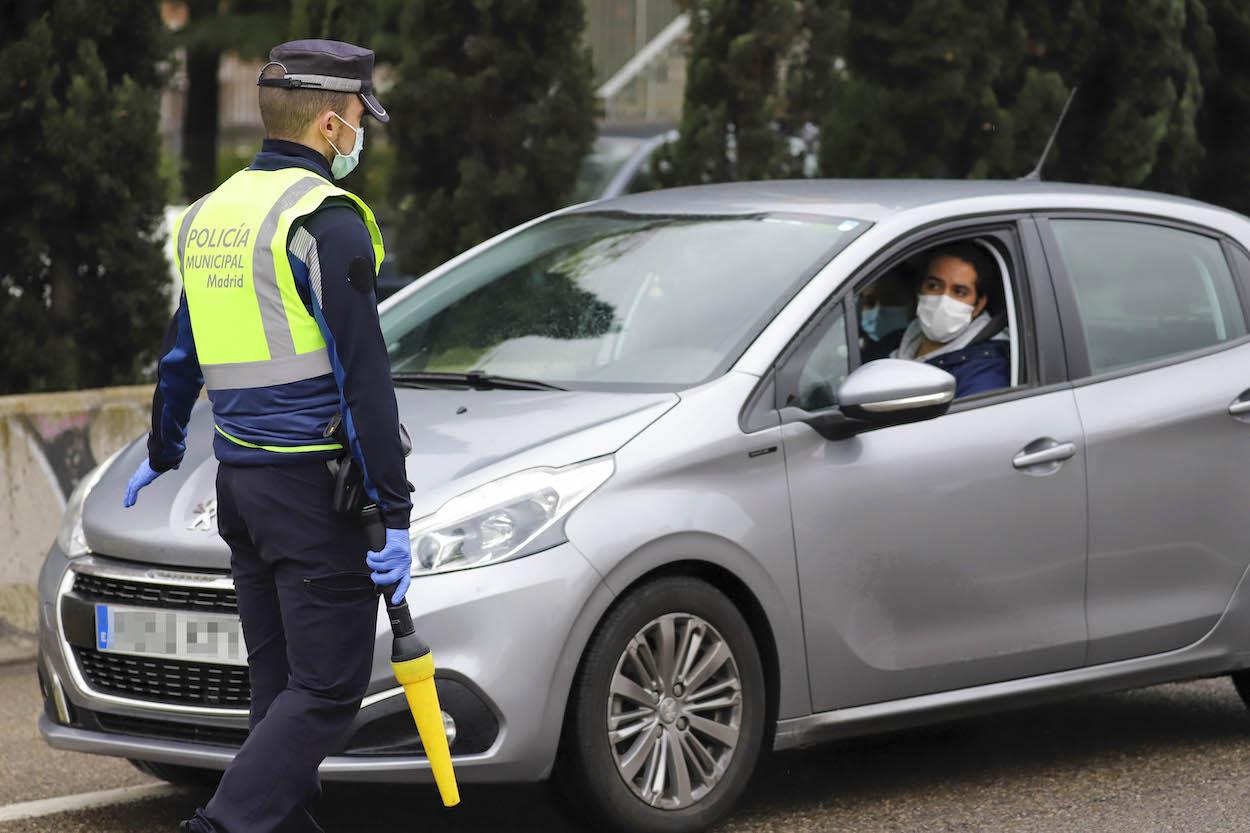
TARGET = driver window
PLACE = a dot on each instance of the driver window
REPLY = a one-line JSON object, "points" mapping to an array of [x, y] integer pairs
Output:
{"points": [[946, 305]]}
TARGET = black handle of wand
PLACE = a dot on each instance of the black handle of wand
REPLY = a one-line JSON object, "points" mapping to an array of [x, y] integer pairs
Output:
{"points": [[375, 532]]}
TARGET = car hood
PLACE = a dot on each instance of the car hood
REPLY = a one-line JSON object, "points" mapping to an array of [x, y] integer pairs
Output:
{"points": [[461, 438]]}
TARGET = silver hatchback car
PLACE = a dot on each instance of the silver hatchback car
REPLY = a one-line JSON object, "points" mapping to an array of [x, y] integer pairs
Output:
{"points": [[675, 505]]}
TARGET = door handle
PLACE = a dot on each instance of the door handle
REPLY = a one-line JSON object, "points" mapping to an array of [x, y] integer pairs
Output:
{"points": [[1052, 452], [1240, 406]]}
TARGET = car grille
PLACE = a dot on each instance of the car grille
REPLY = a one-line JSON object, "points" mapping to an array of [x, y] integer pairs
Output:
{"points": [[109, 589], [165, 680], [168, 730]]}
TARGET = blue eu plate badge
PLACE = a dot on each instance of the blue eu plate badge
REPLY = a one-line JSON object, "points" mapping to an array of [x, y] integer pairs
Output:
{"points": [[102, 627]]}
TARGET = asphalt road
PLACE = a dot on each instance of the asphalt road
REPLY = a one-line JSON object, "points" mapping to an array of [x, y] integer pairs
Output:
{"points": [[1169, 758]]}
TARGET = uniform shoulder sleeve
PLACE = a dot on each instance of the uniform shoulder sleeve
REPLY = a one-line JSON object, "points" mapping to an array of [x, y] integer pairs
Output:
{"points": [[341, 273]]}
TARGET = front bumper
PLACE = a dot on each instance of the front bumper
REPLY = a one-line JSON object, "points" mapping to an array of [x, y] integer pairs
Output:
{"points": [[506, 640]]}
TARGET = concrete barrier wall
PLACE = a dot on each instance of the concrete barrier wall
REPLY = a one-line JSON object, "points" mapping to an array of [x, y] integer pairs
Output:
{"points": [[47, 443]]}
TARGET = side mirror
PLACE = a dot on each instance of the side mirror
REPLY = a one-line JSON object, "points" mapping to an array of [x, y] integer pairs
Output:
{"points": [[895, 391], [884, 392]]}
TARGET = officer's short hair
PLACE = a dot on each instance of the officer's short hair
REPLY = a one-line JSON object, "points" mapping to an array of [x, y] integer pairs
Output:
{"points": [[287, 113]]}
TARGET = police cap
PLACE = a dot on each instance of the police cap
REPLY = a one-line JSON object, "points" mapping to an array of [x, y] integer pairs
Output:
{"points": [[326, 65]]}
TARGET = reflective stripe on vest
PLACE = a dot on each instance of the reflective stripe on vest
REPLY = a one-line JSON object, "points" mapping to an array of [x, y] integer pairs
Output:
{"points": [[250, 326]]}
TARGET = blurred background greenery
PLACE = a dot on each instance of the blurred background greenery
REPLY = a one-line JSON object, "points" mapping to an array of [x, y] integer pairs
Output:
{"points": [[116, 112]]}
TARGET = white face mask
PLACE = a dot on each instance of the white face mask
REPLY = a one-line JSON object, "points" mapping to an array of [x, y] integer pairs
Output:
{"points": [[942, 318], [345, 163]]}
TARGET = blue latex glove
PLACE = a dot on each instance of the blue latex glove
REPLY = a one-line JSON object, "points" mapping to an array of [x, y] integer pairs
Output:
{"points": [[142, 477], [393, 565]]}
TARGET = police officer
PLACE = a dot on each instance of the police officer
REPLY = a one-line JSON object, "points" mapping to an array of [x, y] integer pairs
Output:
{"points": [[278, 319]]}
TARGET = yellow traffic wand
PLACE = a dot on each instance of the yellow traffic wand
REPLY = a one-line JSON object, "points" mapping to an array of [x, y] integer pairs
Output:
{"points": [[413, 664]]}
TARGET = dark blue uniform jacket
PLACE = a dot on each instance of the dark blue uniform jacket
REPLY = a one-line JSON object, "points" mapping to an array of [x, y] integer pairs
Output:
{"points": [[359, 386]]}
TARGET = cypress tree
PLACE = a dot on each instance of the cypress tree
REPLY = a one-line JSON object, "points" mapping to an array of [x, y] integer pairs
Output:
{"points": [[970, 90], [817, 60], [326, 18], [1181, 152], [733, 99], [83, 283], [815, 70], [1224, 120], [492, 114], [1133, 122], [921, 95], [367, 23]]}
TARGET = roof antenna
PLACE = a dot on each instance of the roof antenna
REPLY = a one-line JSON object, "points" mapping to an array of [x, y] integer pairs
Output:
{"points": [[1035, 175]]}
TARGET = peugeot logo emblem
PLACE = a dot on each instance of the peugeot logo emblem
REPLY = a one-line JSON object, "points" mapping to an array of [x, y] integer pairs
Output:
{"points": [[204, 516]]}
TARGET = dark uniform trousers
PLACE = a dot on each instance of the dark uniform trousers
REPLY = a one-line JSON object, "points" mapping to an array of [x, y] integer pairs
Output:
{"points": [[309, 613]]}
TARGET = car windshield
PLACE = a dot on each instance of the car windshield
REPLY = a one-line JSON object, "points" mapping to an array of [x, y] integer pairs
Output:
{"points": [[612, 301], [607, 157]]}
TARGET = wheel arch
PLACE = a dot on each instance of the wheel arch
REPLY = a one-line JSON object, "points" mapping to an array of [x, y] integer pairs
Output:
{"points": [[647, 566]]}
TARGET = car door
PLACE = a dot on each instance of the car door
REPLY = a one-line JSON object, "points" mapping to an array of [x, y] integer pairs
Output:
{"points": [[931, 555], [1157, 343]]}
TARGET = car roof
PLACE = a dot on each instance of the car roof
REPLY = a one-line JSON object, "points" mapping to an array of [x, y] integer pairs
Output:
{"points": [[864, 199]]}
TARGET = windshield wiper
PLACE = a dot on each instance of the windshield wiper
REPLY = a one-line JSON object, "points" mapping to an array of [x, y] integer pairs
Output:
{"points": [[474, 379]]}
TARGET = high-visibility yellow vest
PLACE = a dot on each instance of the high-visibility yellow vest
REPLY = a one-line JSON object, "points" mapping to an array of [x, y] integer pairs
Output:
{"points": [[251, 327]]}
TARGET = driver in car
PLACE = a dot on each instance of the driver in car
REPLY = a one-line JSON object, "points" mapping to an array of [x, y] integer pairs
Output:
{"points": [[954, 329]]}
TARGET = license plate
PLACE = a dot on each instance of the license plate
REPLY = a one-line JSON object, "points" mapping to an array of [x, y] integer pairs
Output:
{"points": [[172, 634]]}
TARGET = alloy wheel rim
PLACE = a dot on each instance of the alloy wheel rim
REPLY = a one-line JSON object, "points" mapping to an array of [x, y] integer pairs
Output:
{"points": [[674, 711]]}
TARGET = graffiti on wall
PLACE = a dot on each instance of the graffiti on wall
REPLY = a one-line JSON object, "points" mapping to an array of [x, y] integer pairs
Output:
{"points": [[48, 443], [63, 444]]}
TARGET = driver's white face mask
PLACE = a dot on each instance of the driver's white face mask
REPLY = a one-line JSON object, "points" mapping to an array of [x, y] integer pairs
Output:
{"points": [[942, 318]]}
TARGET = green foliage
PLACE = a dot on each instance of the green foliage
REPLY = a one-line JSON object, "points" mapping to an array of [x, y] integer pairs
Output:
{"points": [[816, 63], [249, 27], [733, 105], [1134, 119], [491, 117], [923, 94], [946, 89], [83, 282], [233, 158], [1224, 120], [368, 23]]}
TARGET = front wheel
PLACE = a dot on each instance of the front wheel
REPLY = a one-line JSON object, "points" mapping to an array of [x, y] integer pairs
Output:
{"points": [[666, 718]]}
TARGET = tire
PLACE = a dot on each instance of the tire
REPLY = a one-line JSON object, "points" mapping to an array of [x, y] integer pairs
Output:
{"points": [[611, 782], [180, 776], [1241, 681]]}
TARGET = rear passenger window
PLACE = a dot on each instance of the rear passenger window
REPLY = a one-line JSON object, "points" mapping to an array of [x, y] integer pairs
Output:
{"points": [[1146, 292]]}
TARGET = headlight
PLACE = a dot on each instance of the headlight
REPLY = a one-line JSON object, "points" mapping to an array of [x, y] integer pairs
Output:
{"points": [[504, 519], [70, 537]]}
